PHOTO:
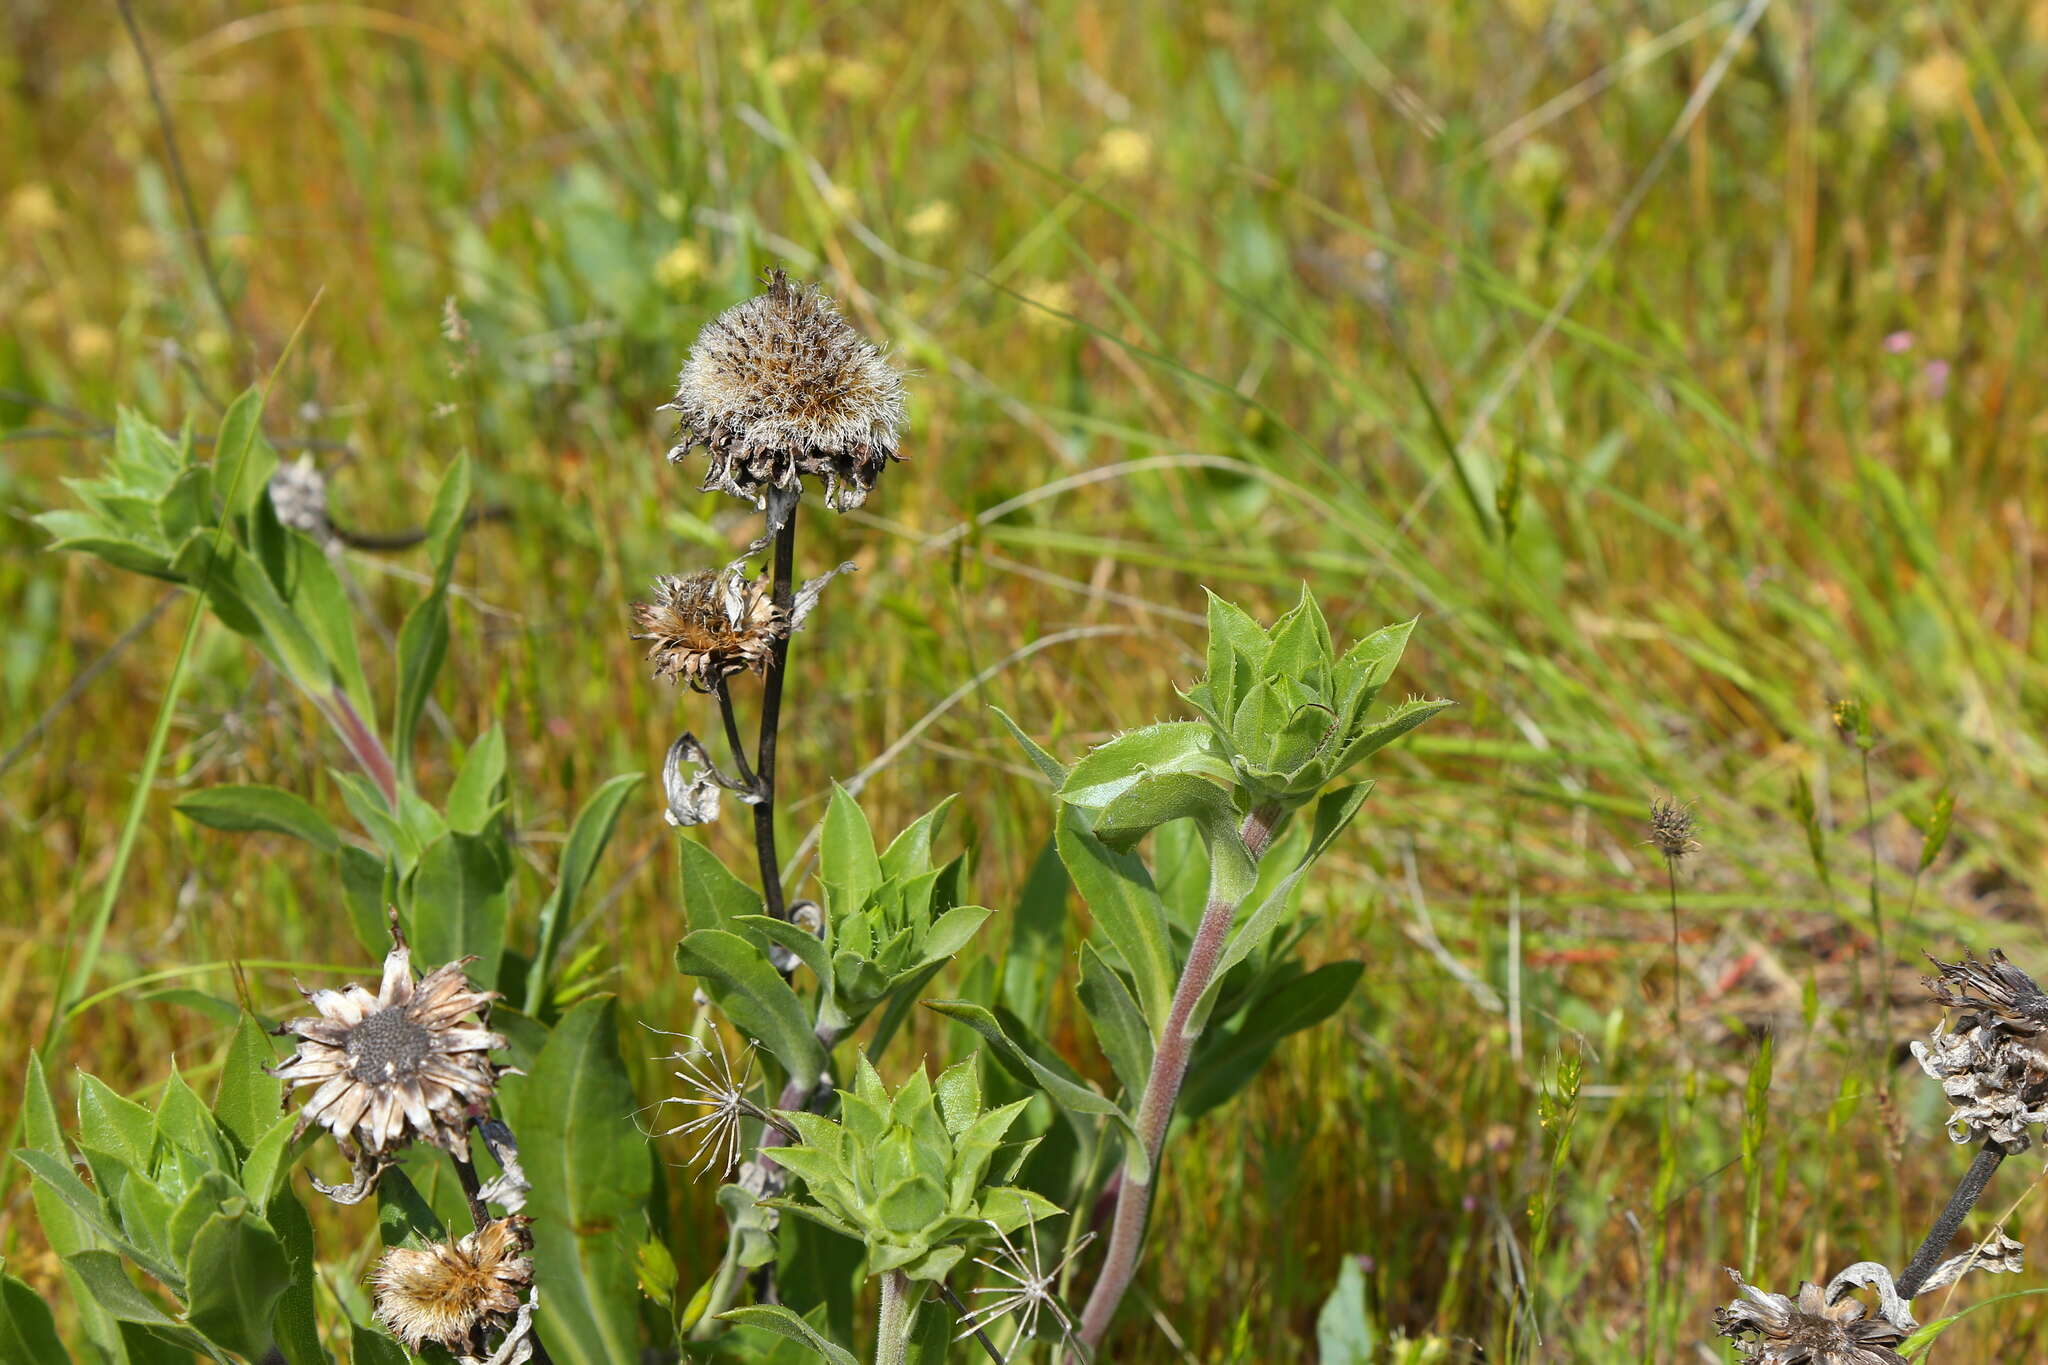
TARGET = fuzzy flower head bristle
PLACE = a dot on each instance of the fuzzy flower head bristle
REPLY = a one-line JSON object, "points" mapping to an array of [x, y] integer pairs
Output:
{"points": [[452, 1293], [1772, 1329], [1992, 1060], [709, 626], [411, 1062], [782, 386]]}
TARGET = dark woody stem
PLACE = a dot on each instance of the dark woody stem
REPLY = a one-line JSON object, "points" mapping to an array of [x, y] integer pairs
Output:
{"points": [[784, 592], [1960, 1203], [732, 737], [960, 1310], [472, 1190]]}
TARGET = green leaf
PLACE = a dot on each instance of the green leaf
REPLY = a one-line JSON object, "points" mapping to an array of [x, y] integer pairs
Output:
{"points": [[444, 523], [1120, 896], [1054, 770], [183, 1119], [422, 648], [114, 1125], [586, 844], [297, 1320], [782, 1322], [1389, 728], [368, 885], [1225, 1063], [591, 1174], [208, 1196], [242, 460], [712, 897], [1037, 949], [753, 994], [1065, 1091], [910, 852], [28, 1334], [369, 1346], [1109, 770], [56, 1175], [103, 1277], [808, 947], [473, 798], [241, 809], [1119, 1023], [234, 1277], [1345, 1333], [271, 1160], [458, 903], [319, 599], [847, 863], [247, 1099]]}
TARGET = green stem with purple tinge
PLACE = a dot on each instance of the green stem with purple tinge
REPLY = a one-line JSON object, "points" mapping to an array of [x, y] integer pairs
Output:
{"points": [[364, 746], [1162, 1090]]}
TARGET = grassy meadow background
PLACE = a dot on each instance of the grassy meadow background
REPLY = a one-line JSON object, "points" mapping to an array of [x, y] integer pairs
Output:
{"points": [[1740, 302]]}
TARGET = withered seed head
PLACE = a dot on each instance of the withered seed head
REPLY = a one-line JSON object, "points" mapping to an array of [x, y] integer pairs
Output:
{"points": [[709, 626], [450, 1293], [410, 1062], [782, 386], [1771, 1329], [1992, 1062], [1671, 829]]}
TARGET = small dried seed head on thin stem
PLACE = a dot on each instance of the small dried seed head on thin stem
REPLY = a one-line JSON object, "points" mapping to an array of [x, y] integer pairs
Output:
{"points": [[710, 626], [1671, 830], [781, 386], [1992, 1059], [1771, 1329]]}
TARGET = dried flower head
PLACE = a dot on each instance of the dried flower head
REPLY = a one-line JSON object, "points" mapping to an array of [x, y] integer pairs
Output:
{"points": [[710, 626], [1671, 830], [412, 1061], [782, 386], [712, 1085], [1032, 1288], [1771, 1329], [1992, 1059], [298, 494], [452, 1293]]}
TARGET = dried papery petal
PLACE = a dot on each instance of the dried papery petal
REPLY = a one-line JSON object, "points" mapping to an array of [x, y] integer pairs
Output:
{"points": [[807, 596], [1992, 1060], [1997, 1254], [781, 387], [692, 798], [1771, 1329], [409, 1063]]}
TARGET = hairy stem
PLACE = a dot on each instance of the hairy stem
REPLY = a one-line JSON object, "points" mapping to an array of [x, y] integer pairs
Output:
{"points": [[1162, 1091], [783, 590], [1968, 1192], [892, 1327]]}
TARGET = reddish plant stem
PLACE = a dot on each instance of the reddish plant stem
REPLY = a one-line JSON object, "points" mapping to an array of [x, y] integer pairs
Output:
{"points": [[1162, 1091], [364, 746]]}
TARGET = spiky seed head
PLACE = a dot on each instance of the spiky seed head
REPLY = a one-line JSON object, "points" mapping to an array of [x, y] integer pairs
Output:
{"points": [[1992, 1059], [1771, 1329], [710, 626], [451, 1293], [782, 386], [412, 1062], [1671, 830]]}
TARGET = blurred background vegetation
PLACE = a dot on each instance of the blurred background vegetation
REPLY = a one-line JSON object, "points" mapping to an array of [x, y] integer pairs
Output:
{"points": [[1725, 310]]}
